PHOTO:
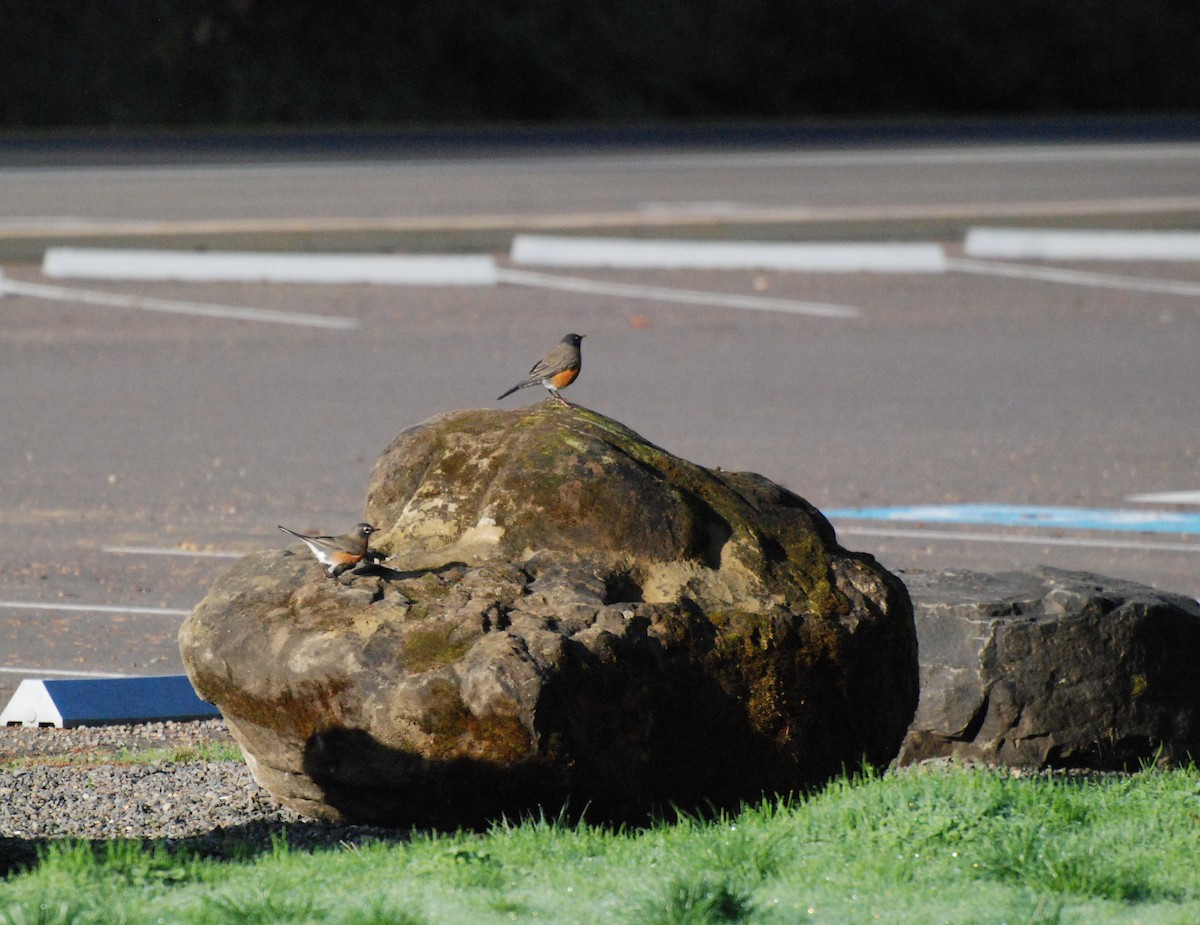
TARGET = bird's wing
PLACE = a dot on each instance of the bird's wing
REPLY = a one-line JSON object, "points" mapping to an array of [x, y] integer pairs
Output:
{"points": [[553, 362]]}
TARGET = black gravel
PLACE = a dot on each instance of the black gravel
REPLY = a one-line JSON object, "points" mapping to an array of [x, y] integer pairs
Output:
{"points": [[85, 784]]}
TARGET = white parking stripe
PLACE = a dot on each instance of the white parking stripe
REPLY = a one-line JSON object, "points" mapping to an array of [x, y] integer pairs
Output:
{"points": [[170, 551], [1025, 540], [682, 296], [1074, 277], [93, 608], [1167, 497], [114, 300], [61, 673]]}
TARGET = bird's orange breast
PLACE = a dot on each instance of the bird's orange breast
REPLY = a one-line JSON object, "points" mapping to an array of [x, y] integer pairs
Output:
{"points": [[565, 378]]}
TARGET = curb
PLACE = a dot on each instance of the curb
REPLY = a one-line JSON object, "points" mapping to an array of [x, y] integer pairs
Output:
{"points": [[105, 702]]}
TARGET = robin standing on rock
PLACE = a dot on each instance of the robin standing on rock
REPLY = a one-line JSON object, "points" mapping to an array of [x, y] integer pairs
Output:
{"points": [[338, 553], [556, 370]]}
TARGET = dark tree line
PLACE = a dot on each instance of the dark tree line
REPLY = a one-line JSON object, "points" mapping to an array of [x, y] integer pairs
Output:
{"points": [[182, 62]]}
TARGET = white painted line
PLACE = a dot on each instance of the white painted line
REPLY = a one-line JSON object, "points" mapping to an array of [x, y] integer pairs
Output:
{"points": [[61, 672], [1025, 540], [114, 300], [683, 296], [1167, 497], [193, 266], [93, 608], [1074, 277], [170, 551], [634, 253], [1058, 244]]}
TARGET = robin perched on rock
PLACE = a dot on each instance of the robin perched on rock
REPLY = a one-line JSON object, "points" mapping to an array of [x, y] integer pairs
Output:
{"points": [[556, 370], [337, 553]]}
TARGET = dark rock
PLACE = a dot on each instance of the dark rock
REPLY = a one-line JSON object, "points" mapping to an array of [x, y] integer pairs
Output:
{"points": [[566, 614], [1052, 669]]}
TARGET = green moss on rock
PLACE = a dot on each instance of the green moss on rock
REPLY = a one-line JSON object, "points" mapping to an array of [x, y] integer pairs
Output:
{"points": [[432, 647]]}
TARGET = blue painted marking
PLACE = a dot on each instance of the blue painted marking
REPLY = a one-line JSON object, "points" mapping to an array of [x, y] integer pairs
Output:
{"points": [[1016, 515], [128, 700]]}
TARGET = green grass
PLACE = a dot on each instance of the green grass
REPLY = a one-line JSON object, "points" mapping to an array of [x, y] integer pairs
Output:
{"points": [[960, 846], [211, 751]]}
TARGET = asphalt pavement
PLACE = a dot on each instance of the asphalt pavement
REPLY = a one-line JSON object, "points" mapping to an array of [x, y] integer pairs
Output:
{"points": [[143, 448]]}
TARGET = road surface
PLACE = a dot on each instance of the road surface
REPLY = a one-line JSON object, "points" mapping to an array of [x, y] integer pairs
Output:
{"points": [[143, 449]]}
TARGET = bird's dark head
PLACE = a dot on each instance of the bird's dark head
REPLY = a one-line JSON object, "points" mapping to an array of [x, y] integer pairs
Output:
{"points": [[573, 339], [364, 530]]}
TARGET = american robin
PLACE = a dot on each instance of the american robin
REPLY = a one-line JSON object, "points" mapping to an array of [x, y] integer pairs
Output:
{"points": [[339, 553], [556, 370]]}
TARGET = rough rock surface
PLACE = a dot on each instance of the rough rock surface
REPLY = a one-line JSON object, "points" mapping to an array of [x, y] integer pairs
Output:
{"points": [[567, 614], [1052, 669]]}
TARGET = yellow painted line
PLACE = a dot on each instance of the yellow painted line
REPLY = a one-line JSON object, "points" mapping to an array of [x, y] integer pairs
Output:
{"points": [[659, 216]]}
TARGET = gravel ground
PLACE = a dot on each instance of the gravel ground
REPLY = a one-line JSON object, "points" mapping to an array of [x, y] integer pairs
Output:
{"points": [[20, 742], [82, 783]]}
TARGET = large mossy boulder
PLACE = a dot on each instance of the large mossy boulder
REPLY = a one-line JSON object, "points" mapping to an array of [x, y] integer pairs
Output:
{"points": [[566, 615]]}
